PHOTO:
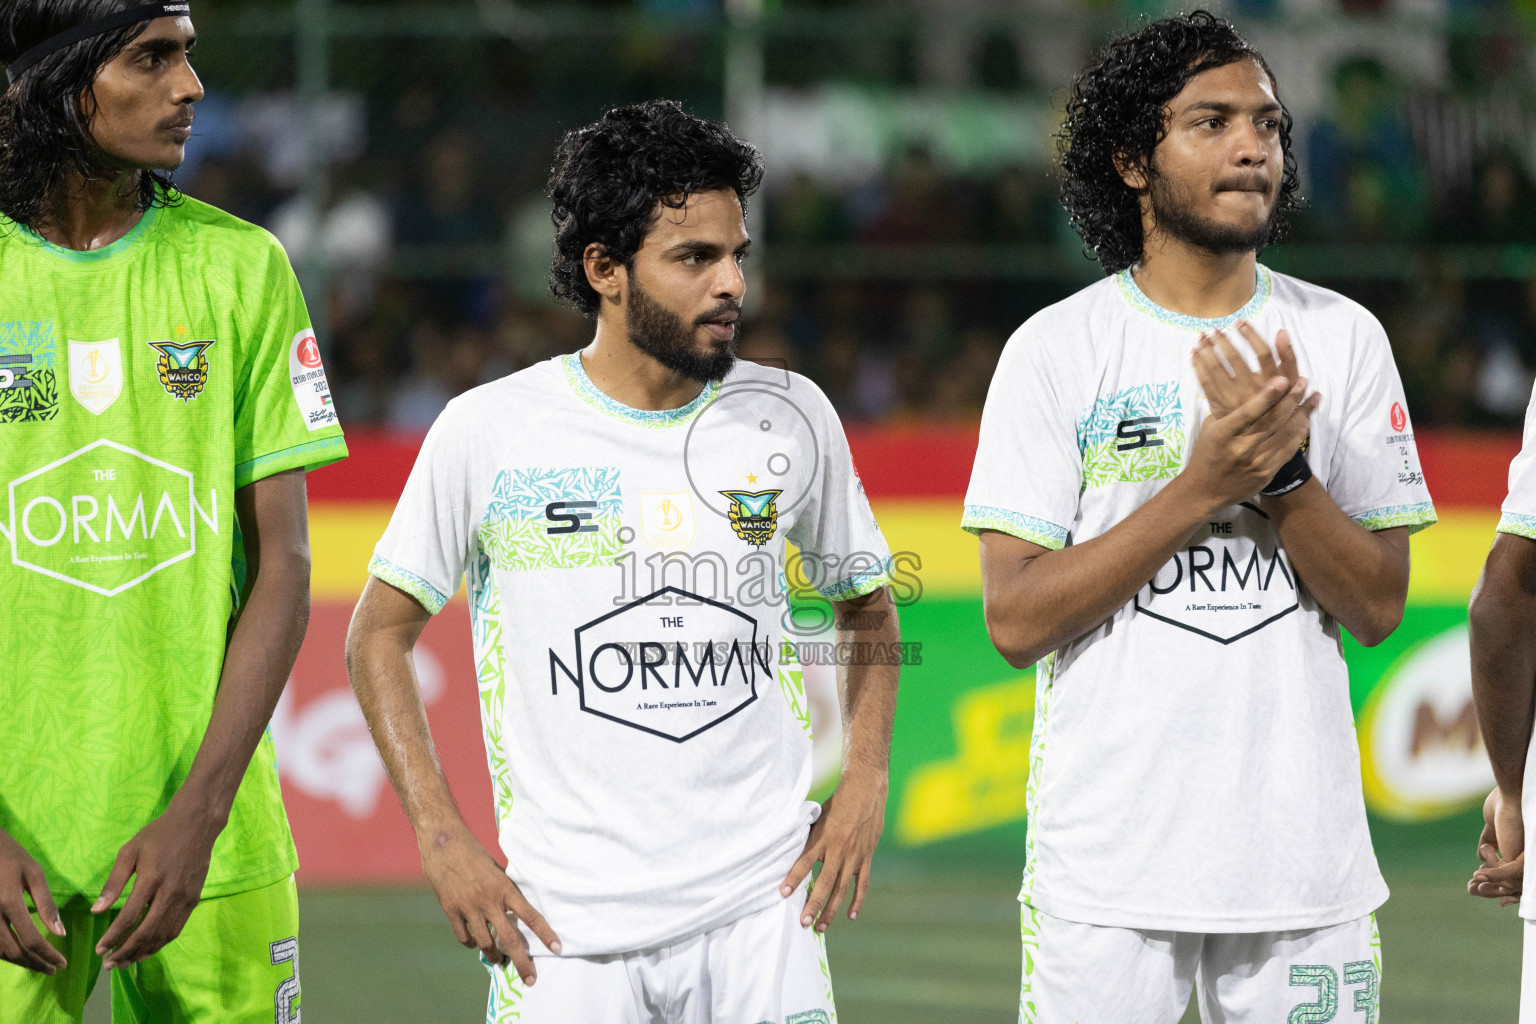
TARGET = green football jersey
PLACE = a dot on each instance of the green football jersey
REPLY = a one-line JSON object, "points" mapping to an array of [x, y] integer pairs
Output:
{"points": [[141, 385]]}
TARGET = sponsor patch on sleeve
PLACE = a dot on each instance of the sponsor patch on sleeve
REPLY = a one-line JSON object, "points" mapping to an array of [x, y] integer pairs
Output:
{"points": [[310, 388]]}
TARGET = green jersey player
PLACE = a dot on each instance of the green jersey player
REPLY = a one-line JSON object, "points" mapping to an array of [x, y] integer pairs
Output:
{"points": [[161, 396]]}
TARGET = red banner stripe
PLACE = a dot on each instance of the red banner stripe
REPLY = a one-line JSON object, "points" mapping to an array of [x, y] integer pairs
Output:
{"points": [[933, 460]]}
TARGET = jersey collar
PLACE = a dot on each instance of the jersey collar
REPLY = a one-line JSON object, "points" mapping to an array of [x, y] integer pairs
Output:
{"points": [[133, 237], [1137, 298], [576, 375]]}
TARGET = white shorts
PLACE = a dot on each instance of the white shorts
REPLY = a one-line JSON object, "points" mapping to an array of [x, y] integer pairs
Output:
{"points": [[760, 968], [1528, 976], [1090, 974]]}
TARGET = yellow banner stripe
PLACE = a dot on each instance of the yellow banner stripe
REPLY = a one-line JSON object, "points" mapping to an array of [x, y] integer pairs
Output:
{"points": [[1447, 557]]}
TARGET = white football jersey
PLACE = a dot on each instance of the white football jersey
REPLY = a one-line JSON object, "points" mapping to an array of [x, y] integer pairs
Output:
{"points": [[1194, 765], [646, 728]]}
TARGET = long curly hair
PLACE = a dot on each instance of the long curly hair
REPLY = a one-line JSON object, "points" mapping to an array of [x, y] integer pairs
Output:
{"points": [[610, 179], [1119, 109], [45, 115]]}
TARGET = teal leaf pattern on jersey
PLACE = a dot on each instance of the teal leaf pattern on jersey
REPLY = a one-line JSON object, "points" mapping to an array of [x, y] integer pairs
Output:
{"points": [[651, 419], [1037, 531], [792, 683], [31, 341], [1518, 524], [430, 597], [491, 677], [1263, 286], [1099, 442], [859, 583], [1416, 517], [515, 532]]}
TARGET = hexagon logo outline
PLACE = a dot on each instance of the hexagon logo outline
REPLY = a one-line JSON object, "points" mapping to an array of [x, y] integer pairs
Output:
{"points": [[12, 532], [580, 681], [1136, 601]]}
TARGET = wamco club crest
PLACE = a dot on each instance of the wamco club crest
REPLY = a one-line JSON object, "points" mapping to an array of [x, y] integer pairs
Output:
{"points": [[183, 368], [753, 515]]}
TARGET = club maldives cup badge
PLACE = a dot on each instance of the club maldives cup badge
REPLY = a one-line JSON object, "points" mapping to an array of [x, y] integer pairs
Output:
{"points": [[310, 388], [96, 373], [183, 368]]}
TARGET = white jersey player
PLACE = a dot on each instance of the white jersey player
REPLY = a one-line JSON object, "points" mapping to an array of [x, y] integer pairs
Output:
{"points": [[1502, 615], [1176, 530], [621, 516]]}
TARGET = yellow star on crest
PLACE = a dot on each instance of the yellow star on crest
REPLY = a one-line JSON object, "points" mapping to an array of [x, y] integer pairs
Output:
{"points": [[751, 478]]}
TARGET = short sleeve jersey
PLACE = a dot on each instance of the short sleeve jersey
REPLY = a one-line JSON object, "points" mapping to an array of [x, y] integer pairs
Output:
{"points": [[1204, 731], [646, 727], [1518, 517], [141, 385]]}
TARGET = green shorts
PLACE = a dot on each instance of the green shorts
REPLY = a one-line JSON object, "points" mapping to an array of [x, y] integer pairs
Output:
{"points": [[235, 962]]}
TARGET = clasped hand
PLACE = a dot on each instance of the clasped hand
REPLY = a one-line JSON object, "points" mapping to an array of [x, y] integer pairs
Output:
{"points": [[1258, 419]]}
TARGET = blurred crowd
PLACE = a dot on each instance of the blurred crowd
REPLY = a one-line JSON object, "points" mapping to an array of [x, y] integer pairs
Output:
{"points": [[894, 289]]}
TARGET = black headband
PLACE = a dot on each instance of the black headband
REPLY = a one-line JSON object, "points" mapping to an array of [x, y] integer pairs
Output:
{"points": [[70, 37]]}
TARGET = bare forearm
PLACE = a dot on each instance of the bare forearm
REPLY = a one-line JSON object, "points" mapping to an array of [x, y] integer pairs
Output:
{"points": [[261, 654], [1502, 615], [1357, 576], [384, 678], [867, 684], [273, 514], [1060, 595]]}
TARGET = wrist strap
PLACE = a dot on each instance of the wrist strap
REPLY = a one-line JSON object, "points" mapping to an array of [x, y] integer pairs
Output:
{"points": [[1291, 475]]}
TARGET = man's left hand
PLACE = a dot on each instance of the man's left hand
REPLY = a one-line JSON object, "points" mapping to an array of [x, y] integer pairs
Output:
{"points": [[843, 840], [1224, 374], [168, 859], [1501, 848]]}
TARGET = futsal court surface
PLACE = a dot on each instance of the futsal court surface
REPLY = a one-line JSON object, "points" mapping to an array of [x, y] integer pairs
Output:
{"points": [[932, 946]]}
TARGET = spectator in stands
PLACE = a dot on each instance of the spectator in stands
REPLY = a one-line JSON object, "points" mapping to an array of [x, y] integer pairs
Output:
{"points": [[446, 205], [1365, 179], [446, 364]]}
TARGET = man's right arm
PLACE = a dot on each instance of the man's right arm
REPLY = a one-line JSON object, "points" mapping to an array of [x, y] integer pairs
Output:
{"points": [[20, 941], [1038, 600], [475, 893], [1501, 616]]}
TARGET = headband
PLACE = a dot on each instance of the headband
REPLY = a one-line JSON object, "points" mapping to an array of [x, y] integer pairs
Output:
{"points": [[148, 12]]}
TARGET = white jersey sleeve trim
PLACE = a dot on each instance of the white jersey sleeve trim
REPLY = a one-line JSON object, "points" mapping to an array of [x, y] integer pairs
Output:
{"points": [[1036, 531], [430, 597], [1416, 517], [860, 583], [1518, 524]]}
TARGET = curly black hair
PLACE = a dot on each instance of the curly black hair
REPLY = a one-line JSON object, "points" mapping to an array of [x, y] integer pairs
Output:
{"points": [[44, 115], [1119, 108], [611, 178]]}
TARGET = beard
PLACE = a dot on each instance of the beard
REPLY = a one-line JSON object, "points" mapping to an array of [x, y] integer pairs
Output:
{"points": [[666, 338], [1173, 209]]}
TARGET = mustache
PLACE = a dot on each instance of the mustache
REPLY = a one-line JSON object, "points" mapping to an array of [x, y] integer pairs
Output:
{"points": [[720, 312], [1246, 183], [181, 120]]}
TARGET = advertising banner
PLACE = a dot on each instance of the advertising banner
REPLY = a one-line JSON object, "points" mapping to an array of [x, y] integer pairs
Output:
{"points": [[960, 757]]}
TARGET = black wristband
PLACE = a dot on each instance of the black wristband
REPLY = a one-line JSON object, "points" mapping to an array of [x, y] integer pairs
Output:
{"points": [[1291, 475]]}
